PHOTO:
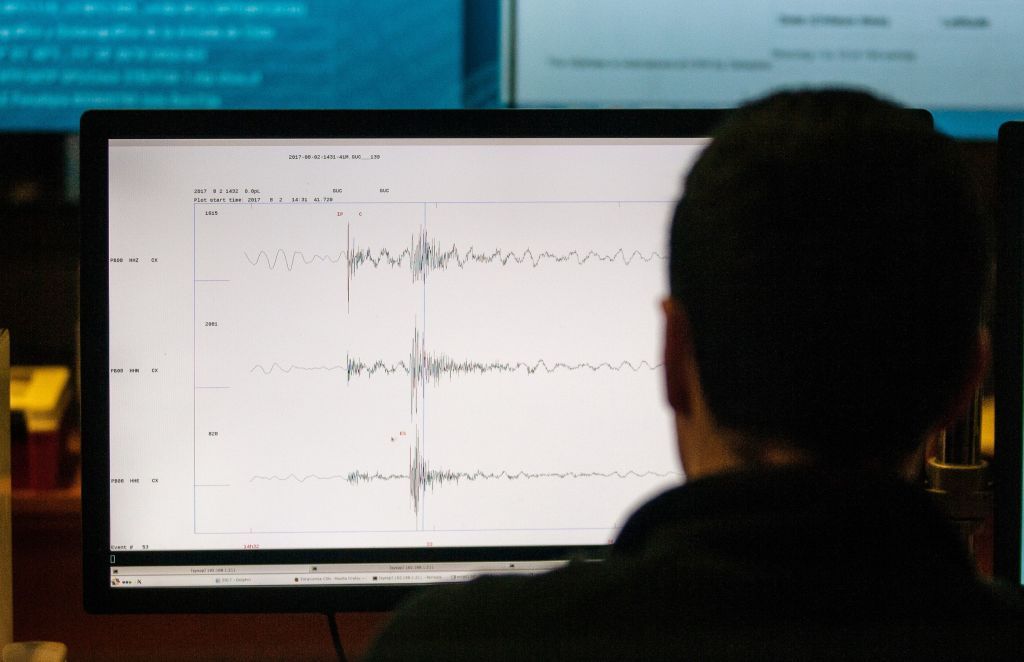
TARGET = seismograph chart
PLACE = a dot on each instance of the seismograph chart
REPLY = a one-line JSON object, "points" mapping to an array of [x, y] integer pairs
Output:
{"points": [[496, 346], [406, 344]]}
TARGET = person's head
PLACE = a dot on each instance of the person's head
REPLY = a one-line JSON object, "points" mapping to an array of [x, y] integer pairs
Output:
{"points": [[828, 267]]}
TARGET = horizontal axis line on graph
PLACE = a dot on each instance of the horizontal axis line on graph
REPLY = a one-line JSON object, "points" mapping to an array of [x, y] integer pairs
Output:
{"points": [[436, 476], [418, 531], [344, 477], [444, 202], [444, 364]]}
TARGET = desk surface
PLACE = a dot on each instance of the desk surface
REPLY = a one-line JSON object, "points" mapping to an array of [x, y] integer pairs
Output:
{"points": [[48, 606]]}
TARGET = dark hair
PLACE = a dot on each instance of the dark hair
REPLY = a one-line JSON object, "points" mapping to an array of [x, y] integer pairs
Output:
{"points": [[833, 260]]}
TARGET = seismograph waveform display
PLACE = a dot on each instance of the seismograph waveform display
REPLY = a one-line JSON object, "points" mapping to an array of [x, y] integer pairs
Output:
{"points": [[422, 477], [423, 367], [287, 260], [424, 255]]}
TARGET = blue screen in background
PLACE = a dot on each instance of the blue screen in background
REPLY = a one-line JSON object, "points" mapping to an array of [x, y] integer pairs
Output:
{"points": [[958, 60], [60, 58], [973, 124]]}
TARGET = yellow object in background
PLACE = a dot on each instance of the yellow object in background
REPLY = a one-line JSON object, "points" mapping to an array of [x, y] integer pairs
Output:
{"points": [[41, 395], [988, 426]]}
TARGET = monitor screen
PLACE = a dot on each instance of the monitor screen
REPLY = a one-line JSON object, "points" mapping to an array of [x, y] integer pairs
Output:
{"points": [[1008, 337], [59, 58], [331, 356], [956, 59]]}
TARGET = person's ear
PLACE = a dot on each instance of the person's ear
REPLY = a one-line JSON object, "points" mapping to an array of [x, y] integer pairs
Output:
{"points": [[678, 358]]}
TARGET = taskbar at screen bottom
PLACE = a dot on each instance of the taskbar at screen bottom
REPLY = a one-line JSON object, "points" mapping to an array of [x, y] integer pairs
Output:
{"points": [[331, 574]]}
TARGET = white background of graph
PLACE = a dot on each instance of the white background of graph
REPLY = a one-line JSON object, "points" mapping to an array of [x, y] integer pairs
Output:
{"points": [[302, 418]]}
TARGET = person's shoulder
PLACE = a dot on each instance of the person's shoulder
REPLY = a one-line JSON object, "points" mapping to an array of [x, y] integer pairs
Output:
{"points": [[435, 620], [500, 617], [446, 607], [486, 602], [1000, 604]]}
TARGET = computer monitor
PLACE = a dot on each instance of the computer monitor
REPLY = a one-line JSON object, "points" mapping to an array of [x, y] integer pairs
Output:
{"points": [[1008, 338], [957, 60], [332, 356], [60, 58]]}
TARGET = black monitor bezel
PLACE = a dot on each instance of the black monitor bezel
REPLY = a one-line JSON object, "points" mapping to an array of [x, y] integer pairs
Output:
{"points": [[97, 127], [1007, 355]]}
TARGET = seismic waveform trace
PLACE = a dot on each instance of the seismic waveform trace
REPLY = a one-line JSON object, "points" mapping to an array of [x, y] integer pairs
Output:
{"points": [[424, 367], [425, 254], [422, 477]]}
